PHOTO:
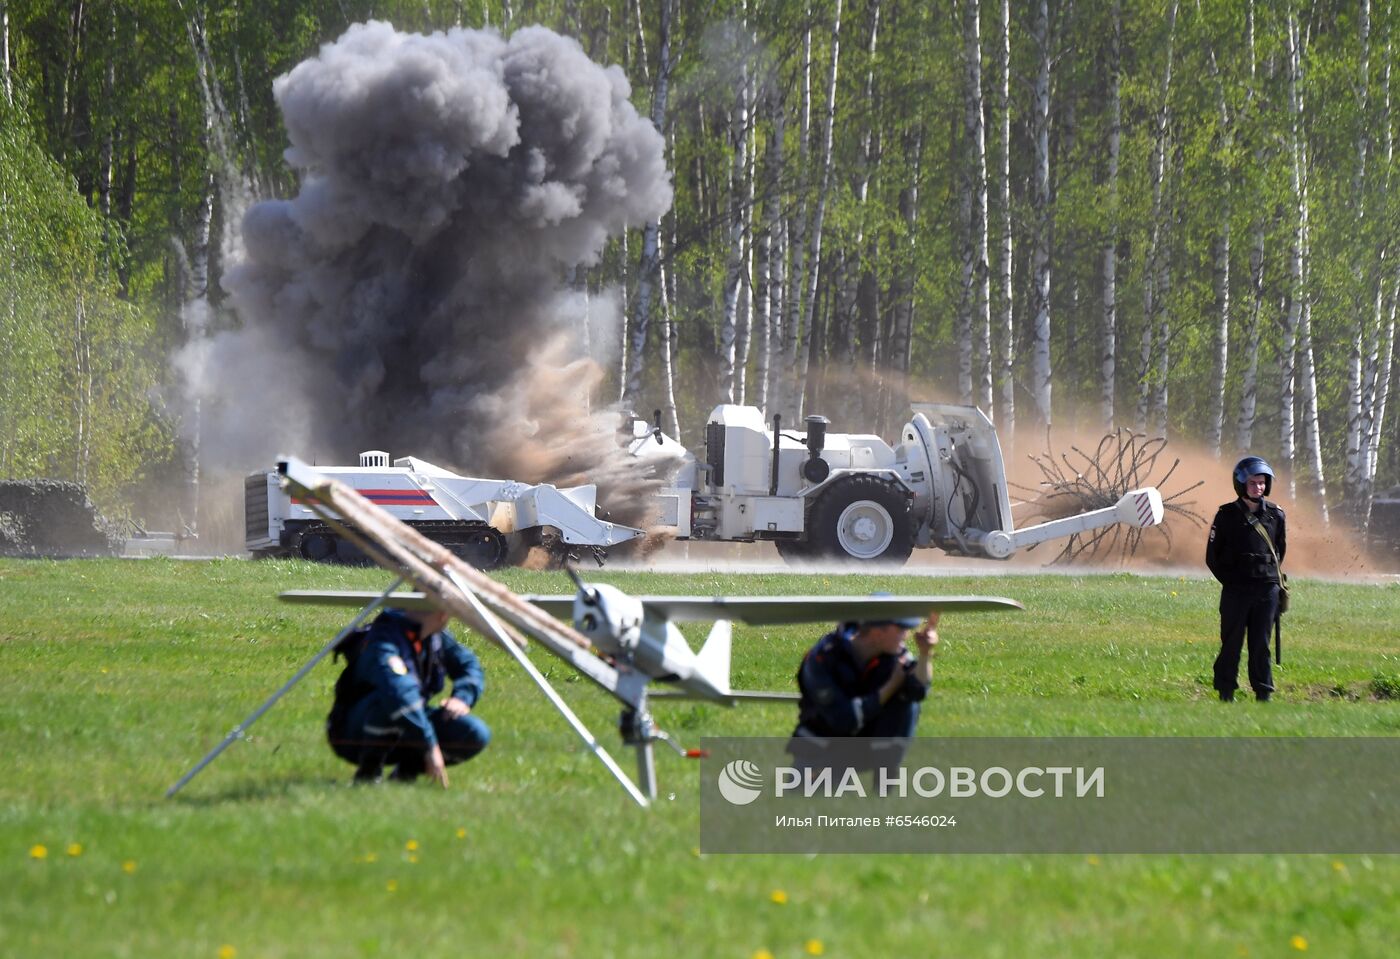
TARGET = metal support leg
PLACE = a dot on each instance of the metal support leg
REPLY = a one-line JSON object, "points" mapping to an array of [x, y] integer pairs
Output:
{"points": [[238, 731], [638, 730]]}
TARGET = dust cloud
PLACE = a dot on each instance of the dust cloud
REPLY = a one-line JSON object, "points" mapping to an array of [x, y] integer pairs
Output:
{"points": [[414, 296]]}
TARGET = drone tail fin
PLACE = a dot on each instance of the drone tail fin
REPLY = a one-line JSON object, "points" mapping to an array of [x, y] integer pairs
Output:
{"points": [[712, 662]]}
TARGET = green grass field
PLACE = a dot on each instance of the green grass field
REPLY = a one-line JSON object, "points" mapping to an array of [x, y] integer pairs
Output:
{"points": [[115, 677]]}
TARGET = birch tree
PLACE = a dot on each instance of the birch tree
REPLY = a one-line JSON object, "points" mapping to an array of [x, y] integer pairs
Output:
{"points": [[1006, 324], [814, 253], [1301, 308], [772, 256], [794, 331], [1249, 376], [1292, 317], [1108, 333], [1380, 356], [1040, 253], [1152, 398], [740, 190], [5, 80], [1365, 337], [1220, 263], [903, 333], [975, 356], [648, 266]]}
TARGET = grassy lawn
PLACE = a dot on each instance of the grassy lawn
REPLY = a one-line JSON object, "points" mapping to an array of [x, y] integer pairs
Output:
{"points": [[115, 677]]}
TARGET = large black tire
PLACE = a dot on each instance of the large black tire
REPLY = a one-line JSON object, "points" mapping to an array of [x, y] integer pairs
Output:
{"points": [[861, 519]]}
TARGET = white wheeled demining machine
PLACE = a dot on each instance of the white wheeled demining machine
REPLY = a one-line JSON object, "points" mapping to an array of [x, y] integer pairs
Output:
{"points": [[488, 523], [847, 497], [817, 496]]}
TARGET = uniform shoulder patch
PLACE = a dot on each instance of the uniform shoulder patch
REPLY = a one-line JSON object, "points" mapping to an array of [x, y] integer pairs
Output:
{"points": [[397, 666]]}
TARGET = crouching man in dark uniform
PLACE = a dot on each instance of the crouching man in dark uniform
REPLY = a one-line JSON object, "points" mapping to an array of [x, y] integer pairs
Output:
{"points": [[860, 680], [1247, 535], [381, 714]]}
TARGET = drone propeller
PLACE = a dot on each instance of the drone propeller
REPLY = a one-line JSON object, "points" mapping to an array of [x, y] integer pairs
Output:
{"points": [[587, 593]]}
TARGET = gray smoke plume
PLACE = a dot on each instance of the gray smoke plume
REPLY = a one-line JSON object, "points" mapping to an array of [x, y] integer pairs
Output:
{"points": [[411, 297]]}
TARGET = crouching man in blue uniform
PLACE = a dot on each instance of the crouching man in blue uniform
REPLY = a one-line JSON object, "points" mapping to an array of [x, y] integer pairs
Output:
{"points": [[381, 714], [861, 680]]}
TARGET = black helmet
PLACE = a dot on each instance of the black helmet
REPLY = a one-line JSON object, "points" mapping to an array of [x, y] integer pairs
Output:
{"points": [[1252, 466]]}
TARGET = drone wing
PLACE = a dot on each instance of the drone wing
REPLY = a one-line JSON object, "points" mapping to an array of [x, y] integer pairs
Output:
{"points": [[751, 610], [775, 610], [353, 597]]}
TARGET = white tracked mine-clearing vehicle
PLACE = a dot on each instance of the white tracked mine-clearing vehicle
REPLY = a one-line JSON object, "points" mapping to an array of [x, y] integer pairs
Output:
{"points": [[488, 523], [848, 497]]}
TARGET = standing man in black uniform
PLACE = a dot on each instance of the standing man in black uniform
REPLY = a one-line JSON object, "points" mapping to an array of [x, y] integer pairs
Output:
{"points": [[1245, 538]]}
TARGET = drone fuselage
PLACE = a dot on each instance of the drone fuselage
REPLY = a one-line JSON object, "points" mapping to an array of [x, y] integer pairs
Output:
{"points": [[623, 628]]}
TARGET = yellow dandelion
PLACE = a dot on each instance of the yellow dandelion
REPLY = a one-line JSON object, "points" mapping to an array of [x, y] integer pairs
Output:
{"points": [[779, 897], [371, 857], [1092, 860], [38, 851], [227, 952], [461, 832], [392, 885], [814, 947], [411, 845], [1338, 866], [1299, 943], [413, 858], [762, 954], [695, 851], [1242, 950], [74, 849], [129, 866], [1173, 592]]}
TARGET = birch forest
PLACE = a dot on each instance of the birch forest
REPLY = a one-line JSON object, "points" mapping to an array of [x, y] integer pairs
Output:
{"points": [[1173, 216]]}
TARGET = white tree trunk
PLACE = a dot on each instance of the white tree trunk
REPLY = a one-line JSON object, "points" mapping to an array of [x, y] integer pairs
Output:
{"points": [[1294, 314], [794, 333], [668, 342], [1365, 336], [962, 319], [1385, 366], [1215, 426], [5, 53], [1312, 434], [1108, 332], [772, 260], [903, 336], [648, 266], [109, 126], [1381, 347], [976, 271], [1249, 376], [814, 254], [1152, 397], [731, 321], [1312, 446], [1040, 254], [1006, 318]]}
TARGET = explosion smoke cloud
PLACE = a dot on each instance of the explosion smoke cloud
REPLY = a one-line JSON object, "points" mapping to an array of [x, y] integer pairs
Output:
{"points": [[411, 297]]}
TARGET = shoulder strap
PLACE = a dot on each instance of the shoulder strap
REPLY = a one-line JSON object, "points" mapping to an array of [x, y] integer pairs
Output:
{"points": [[1268, 540]]}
